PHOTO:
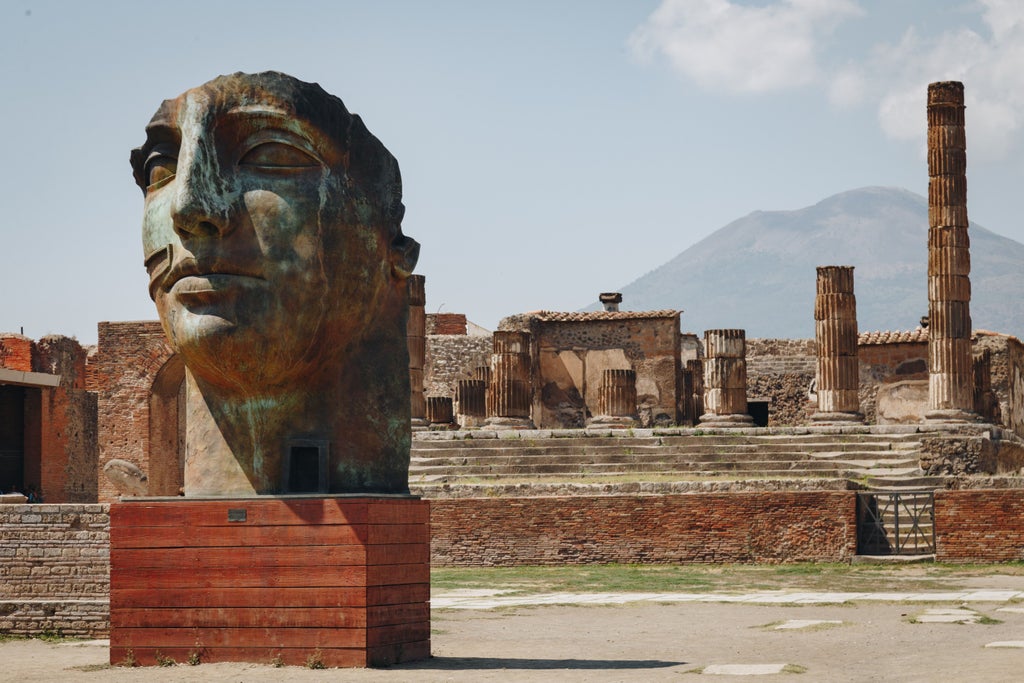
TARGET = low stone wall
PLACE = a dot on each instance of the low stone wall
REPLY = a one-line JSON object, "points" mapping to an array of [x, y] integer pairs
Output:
{"points": [[54, 569], [979, 525], [811, 526]]}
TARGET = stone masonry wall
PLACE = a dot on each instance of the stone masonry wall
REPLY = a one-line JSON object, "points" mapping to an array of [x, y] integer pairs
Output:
{"points": [[54, 569], [122, 371], [694, 528], [452, 357], [780, 371]]}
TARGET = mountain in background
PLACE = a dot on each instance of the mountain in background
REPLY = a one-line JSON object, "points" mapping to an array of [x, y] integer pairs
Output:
{"points": [[758, 273]]}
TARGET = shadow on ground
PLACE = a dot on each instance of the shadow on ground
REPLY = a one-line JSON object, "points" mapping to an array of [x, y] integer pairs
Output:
{"points": [[488, 663]]}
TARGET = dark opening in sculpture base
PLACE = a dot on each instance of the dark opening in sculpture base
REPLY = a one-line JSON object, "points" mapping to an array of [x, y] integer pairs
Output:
{"points": [[337, 581]]}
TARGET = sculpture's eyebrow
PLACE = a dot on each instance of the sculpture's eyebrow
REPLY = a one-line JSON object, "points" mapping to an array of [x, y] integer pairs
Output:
{"points": [[159, 132], [270, 116]]}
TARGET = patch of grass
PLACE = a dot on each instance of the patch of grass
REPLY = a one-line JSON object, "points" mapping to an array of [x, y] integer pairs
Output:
{"points": [[129, 659], [731, 578], [51, 635], [794, 669], [278, 661], [89, 668], [163, 660], [987, 620], [315, 660]]}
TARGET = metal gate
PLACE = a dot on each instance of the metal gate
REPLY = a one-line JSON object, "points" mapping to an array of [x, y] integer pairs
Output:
{"points": [[895, 523]]}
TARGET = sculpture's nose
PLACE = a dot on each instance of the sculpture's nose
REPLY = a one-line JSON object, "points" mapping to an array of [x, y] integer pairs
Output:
{"points": [[200, 207]]}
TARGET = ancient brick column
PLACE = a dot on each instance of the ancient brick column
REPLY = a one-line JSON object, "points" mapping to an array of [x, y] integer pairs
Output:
{"points": [[616, 399], [725, 379], [439, 411], [835, 329], [416, 331], [695, 368], [950, 367], [471, 397], [510, 398]]}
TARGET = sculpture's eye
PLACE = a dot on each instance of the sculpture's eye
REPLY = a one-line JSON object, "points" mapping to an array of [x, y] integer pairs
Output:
{"points": [[278, 156], [160, 168]]}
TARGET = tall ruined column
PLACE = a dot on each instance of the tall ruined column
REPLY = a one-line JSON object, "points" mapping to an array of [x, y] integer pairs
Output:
{"points": [[695, 368], [950, 366], [416, 331], [616, 399], [725, 379], [835, 329], [510, 399]]}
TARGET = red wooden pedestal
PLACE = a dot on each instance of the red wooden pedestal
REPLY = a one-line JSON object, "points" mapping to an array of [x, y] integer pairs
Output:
{"points": [[289, 579]]}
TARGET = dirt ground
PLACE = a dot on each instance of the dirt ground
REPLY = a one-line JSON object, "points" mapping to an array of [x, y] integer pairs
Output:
{"points": [[634, 642]]}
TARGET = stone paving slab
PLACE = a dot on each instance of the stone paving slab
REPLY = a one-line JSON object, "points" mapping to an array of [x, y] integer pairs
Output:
{"points": [[1007, 643], [794, 624], [743, 669]]}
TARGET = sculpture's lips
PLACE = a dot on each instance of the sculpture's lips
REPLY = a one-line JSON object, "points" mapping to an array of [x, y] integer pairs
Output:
{"points": [[187, 279]]}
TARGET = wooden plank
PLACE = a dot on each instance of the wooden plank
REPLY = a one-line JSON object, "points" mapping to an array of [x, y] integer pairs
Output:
{"points": [[165, 637], [397, 633], [382, 534], [393, 574], [229, 537], [388, 615], [386, 655], [330, 656], [398, 512], [261, 597], [398, 594], [263, 556], [199, 578], [398, 553], [259, 511], [253, 617]]}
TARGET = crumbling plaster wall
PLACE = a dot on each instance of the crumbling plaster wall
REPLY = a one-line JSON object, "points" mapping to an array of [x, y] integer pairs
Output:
{"points": [[451, 357], [569, 353]]}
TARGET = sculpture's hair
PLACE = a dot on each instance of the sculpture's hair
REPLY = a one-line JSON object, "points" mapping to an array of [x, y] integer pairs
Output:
{"points": [[372, 171]]}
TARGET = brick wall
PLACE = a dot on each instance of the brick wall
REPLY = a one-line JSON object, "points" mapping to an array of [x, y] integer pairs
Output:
{"points": [[979, 526], [55, 569], [122, 372], [446, 323], [15, 352], [694, 528]]}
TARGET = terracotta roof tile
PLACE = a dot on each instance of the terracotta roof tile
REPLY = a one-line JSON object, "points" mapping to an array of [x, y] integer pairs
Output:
{"points": [[898, 337], [559, 316]]}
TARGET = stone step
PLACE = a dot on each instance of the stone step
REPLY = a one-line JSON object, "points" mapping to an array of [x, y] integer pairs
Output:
{"points": [[868, 460], [642, 468]]}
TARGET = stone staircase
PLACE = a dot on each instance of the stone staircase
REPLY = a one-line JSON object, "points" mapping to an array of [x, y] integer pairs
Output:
{"points": [[801, 456]]}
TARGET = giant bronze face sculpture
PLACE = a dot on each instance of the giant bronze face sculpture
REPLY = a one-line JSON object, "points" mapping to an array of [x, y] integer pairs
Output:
{"points": [[272, 236]]}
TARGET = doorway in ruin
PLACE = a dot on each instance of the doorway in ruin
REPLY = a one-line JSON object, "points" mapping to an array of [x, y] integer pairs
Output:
{"points": [[758, 410], [166, 466], [12, 437]]}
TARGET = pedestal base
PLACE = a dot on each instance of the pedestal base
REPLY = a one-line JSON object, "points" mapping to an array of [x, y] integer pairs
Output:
{"points": [[952, 416], [733, 420], [836, 418], [613, 422], [509, 423], [343, 581]]}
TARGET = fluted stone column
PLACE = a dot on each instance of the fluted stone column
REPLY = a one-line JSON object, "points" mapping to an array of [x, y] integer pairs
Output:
{"points": [[416, 331], [616, 399], [695, 368], [835, 329], [725, 379], [471, 397], [950, 366], [510, 397], [439, 411]]}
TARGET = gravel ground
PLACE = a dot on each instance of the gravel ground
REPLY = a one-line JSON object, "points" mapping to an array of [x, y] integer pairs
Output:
{"points": [[633, 642]]}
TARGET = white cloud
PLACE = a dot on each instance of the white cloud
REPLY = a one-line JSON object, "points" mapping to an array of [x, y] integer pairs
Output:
{"points": [[725, 46], [991, 67]]}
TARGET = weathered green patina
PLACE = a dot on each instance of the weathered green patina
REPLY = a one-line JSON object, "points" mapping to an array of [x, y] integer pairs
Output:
{"points": [[272, 236]]}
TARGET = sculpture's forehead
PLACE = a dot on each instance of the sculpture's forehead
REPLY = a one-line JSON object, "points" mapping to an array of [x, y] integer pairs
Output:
{"points": [[242, 96]]}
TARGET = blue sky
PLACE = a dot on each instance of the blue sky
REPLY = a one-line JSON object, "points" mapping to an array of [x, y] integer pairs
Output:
{"points": [[550, 150]]}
